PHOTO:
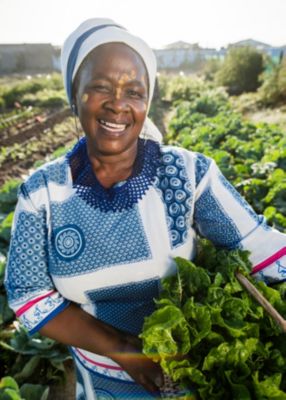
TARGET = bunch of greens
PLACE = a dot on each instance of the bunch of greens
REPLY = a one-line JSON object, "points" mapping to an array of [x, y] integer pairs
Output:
{"points": [[211, 336], [9, 390]]}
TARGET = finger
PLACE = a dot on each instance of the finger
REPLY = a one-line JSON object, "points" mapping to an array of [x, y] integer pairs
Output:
{"points": [[149, 385], [154, 373], [159, 380]]}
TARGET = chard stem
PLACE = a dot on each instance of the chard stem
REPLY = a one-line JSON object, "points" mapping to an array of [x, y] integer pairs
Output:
{"points": [[261, 300]]}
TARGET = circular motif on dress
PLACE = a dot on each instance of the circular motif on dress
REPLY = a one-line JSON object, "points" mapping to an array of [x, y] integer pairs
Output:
{"points": [[168, 159], [183, 209], [69, 242], [183, 174], [171, 170], [175, 237], [185, 235], [169, 194], [180, 223], [188, 187], [175, 183], [103, 395], [174, 210], [164, 183], [189, 203], [180, 195], [156, 181], [161, 171], [170, 222], [180, 162]]}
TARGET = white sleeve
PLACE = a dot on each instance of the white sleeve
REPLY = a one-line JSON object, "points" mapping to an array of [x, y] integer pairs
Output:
{"points": [[30, 289], [223, 216]]}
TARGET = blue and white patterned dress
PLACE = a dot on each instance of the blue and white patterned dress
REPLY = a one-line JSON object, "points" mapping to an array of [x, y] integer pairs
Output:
{"points": [[107, 250]]}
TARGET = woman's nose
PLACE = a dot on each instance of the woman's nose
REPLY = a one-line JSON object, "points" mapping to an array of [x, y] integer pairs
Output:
{"points": [[117, 102]]}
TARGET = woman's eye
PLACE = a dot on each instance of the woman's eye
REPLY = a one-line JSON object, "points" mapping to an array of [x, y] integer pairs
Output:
{"points": [[101, 88], [135, 94]]}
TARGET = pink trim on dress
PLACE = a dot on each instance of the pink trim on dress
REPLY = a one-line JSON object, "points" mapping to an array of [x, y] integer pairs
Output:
{"points": [[97, 363], [31, 303], [269, 260]]}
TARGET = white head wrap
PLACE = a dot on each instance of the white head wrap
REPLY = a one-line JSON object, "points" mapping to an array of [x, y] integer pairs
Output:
{"points": [[93, 33]]}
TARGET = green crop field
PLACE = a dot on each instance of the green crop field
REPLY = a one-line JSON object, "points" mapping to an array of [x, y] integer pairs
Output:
{"points": [[36, 126]]}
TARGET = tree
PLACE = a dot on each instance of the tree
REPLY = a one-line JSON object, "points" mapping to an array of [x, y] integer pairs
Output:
{"points": [[240, 70], [211, 68], [273, 89]]}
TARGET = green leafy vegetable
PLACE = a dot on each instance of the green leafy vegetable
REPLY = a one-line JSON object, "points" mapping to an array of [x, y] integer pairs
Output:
{"points": [[209, 335]]}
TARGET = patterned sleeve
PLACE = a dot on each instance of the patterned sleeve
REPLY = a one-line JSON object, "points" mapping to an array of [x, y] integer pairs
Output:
{"points": [[30, 289], [225, 218]]}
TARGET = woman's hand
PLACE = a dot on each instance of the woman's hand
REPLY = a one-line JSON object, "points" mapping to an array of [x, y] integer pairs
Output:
{"points": [[144, 371], [86, 332]]}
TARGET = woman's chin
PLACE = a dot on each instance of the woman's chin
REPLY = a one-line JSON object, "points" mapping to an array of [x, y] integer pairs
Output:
{"points": [[112, 144], [114, 134]]}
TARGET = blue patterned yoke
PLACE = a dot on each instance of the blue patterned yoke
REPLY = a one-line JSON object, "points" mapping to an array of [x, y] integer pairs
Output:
{"points": [[108, 249]]}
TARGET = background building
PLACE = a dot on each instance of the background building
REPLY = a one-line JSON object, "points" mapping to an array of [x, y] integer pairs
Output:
{"points": [[182, 56]]}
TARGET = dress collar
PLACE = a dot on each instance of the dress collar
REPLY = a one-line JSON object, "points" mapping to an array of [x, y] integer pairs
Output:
{"points": [[123, 195]]}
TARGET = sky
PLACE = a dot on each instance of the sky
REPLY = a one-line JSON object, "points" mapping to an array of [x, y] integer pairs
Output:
{"points": [[210, 23]]}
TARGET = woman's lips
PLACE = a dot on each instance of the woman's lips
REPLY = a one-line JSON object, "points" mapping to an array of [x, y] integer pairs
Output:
{"points": [[111, 126]]}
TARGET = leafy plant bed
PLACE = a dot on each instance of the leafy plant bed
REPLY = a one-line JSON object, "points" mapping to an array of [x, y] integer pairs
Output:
{"points": [[10, 390], [32, 125], [252, 156], [17, 159], [210, 335], [14, 118]]}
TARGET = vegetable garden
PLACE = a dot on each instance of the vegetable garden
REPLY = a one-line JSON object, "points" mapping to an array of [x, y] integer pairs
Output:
{"points": [[34, 128], [237, 352]]}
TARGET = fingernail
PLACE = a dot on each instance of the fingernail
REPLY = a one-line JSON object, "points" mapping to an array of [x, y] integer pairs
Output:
{"points": [[159, 381]]}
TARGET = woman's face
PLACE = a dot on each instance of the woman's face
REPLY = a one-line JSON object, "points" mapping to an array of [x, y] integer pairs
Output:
{"points": [[111, 93]]}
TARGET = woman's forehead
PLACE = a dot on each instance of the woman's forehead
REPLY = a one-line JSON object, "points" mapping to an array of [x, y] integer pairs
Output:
{"points": [[116, 56]]}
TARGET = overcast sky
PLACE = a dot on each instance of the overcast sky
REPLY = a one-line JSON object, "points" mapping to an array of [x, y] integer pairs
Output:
{"points": [[211, 23]]}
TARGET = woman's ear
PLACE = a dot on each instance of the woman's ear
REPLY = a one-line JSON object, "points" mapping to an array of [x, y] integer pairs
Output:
{"points": [[74, 99], [73, 106], [74, 109]]}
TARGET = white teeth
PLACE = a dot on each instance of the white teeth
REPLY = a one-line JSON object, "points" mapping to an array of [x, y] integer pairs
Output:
{"points": [[110, 126]]}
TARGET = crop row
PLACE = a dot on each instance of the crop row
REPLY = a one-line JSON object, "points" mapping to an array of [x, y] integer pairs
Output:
{"points": [[251, 155], [35, 144]]}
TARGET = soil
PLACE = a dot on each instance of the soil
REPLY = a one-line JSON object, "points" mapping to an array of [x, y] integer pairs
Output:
{"points": [[270, 116], [17, 169], [35, 127]]}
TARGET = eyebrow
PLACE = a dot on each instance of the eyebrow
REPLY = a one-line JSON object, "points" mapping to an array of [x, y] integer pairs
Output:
{"points": [[131, 82]]}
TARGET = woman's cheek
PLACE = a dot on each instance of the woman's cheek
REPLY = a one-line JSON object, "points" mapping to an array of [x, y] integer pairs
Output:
{"points": [[89, 102], [84, 98], [140, 106]]}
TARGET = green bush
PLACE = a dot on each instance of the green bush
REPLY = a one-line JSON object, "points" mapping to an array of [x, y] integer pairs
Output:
{"points": [[273, 90], [241, 70], [178, 87], [210, 68]]}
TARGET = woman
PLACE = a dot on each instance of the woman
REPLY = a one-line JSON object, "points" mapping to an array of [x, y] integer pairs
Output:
{"points": [[95, 231]]}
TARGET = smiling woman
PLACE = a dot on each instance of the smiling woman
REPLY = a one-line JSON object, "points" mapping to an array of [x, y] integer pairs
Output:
{"points": [[96, 230], [111, 97]]}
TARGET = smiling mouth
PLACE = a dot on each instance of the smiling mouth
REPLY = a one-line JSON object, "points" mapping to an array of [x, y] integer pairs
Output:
{"points": [[112, 127]]}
